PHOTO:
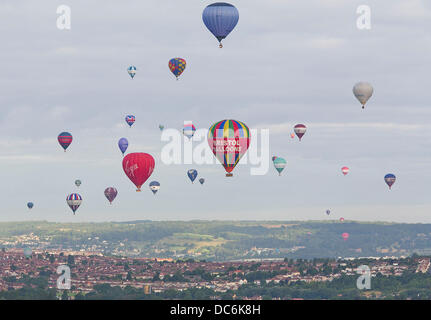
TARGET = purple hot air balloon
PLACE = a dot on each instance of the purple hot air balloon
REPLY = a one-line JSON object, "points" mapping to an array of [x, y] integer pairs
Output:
{"points": [[110, 194], [123, 144]]}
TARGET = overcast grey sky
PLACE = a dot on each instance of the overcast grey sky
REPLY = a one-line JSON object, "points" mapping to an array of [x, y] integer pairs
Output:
{"points": [[286, 62]]}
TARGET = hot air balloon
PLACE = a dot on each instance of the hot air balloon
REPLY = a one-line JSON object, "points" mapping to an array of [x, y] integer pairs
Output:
{"points": [[161, 127], [229, 141], [279, 164], [273, 158], [131, 71], [65, 139], [341, 219], [363, 91], [130, 119], [177, 66], [220, 18], [202, 180], [300, 130], [390, 179], [77, 183], [328, 212], [292, 135], [123, 144], [345, 170], [27, 252], [74, 200], [30, 205], [189, 129], [138, 167], [345, 236], [192, 173], [110, 194], [154, 186]]}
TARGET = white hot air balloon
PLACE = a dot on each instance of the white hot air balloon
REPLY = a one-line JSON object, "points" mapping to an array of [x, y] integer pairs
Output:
{"points": [[363, 91]]}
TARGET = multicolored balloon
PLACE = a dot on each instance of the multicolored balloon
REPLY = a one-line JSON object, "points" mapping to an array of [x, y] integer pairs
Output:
{"points": [[345, 236], [77, 183], [363, 91], [177, 66], [138, 167], [74, 200], [279, 164], [123, 144], [110, 194], [300, 130], [65, 139], [345, 170], [192, 173], [161, 127], [390, 179], [189, 129], [30, 205], [202, 180], [220, 18], [130, 119], [154, 186], [229, 141], [131, 71]]}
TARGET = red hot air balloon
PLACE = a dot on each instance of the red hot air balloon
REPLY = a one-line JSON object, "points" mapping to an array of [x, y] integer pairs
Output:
{"points": [[300, 130], [138, 167], [345, 236], [345, 170]]}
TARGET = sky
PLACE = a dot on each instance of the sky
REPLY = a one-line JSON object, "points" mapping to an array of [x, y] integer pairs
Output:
{"points": [[286, 62]]}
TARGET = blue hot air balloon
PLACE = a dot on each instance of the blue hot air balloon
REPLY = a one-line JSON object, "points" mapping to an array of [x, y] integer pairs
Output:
{"points": [[220, 18], [192, 173], [202, 180], [123, 144], [131, 71], [154, 186], [390, 179], [30, 205]]}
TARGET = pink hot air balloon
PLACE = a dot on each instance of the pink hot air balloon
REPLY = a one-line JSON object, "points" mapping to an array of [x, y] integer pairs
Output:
{"points": [[300, 130], [138, 167], [345, 170], [110, 194], [345, 236], [341, 219]]}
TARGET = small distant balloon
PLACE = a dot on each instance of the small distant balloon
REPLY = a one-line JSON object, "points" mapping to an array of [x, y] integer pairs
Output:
{"points": [[77, 183], [202, 180], [341, 219], [154, 186], [300, 130], [30, 205], [345, 170], [123, 144], [189, 129], [279, 164], [130, 119], [192, 173], [292, 135], [27, 252], [65, 139], [390, 179], [363, 91], [161, 127], [110, 194], [328, 212], [74, 200], [131, 71], [345, 236], [177, 66]]}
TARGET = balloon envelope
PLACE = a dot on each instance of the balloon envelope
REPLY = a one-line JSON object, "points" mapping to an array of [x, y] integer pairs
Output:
{"points": [[110, 194], [363, 91], [345, 170], [192, 173], [77, 183], [328, 212], [154, 186], [345, 236], [123, 144], [390, 179], [130, 119], [131, 71], [30, 205], [279, 164], [161, 127], [177, 66], [300, 130], [65, 139], [341, 219], [202, 180], [74, 200], [138, 167], [189, 130], [220, 18], [229, 141]]}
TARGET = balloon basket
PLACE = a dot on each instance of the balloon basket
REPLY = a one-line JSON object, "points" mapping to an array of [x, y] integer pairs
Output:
{"points": [[229, 175], [138, 190], [220, 45]]}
